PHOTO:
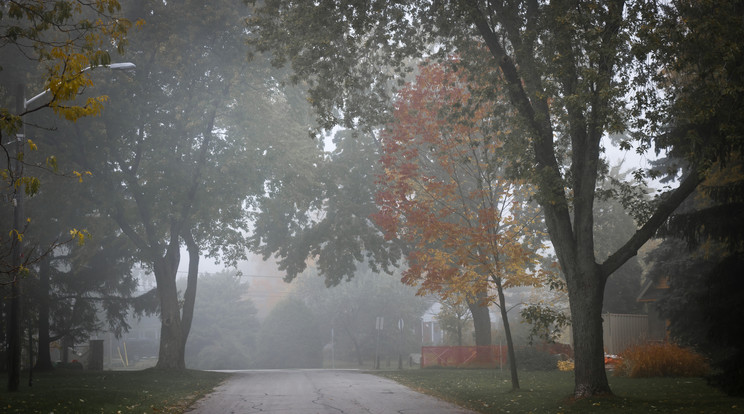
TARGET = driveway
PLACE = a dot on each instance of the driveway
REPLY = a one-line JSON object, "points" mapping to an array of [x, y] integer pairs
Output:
{"points": [[317, 392]]}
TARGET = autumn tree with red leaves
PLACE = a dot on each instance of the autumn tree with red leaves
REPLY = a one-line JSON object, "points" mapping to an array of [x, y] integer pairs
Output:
{"points": [[472, 231]]}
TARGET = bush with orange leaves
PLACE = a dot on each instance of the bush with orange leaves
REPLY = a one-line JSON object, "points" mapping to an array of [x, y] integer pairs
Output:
{"points": [[661, 360]]}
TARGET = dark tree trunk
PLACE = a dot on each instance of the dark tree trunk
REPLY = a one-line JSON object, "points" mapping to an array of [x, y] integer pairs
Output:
{"points": [[508, 335], [481, 319], [189, 297], [586, 324], [65, 345], [14, 335], [171, 353], [44, 359], [3, 337], [482, 327]]}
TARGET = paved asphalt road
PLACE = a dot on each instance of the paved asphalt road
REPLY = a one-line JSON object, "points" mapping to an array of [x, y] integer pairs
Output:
{"points": [[317, 392]]}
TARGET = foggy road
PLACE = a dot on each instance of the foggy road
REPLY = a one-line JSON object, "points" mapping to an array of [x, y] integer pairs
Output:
{"points": [[317, 392]]}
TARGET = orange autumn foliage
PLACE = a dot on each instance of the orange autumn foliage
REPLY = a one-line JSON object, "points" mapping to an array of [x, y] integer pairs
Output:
{"points": [[661, 360], [444, 190]]}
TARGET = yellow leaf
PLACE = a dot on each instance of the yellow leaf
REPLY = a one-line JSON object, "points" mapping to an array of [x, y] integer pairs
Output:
{"points": [[15, 233]]}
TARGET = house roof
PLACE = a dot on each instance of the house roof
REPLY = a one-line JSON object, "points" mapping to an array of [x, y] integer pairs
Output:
{"points": [[653, 290]]}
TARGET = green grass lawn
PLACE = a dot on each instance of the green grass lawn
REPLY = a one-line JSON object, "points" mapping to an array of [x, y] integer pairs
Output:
{"points": [[148, 391], [489, 391]]}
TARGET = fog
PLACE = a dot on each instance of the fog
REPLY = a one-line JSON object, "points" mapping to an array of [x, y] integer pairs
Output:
{"points": [[217, 188]]}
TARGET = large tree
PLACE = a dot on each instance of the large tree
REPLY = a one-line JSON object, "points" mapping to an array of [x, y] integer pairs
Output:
{"points": [[573, 72], [444, 190], [176, 159]]}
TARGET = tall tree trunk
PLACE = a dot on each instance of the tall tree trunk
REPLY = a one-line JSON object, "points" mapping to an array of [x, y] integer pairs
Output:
{"points": [[44, 359], [507, 334], [171, 354], [586, 323], [64, 352], [3, 336], [481, 325], [481, 319], [189, 297]]}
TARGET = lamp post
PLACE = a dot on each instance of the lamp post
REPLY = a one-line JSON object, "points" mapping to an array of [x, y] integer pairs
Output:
{"points": [[14, 313], [16, 253]]}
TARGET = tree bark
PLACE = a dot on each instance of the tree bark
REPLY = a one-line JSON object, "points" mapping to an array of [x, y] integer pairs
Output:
{"points": [[189, 297], [481, 326], [171, 353], [585, 297], [507, 334], [481, 319]]}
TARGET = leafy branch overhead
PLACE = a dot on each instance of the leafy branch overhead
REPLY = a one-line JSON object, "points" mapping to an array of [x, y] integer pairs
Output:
{"points": [[445, 191], [664, 73]]}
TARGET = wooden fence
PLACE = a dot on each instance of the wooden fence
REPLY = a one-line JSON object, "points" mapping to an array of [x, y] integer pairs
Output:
{"points": [[623, 330]]}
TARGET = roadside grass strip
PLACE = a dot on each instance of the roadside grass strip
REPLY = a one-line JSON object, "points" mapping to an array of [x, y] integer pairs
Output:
{"points": [[148, 391], [489, 391]]}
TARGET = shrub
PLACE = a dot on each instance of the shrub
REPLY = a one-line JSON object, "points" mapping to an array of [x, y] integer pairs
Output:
{"points": [[533, 359], [566, 365], [661, 360]]}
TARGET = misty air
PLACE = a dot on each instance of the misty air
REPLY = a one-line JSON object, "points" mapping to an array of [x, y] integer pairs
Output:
{"points": [[479, 206]]}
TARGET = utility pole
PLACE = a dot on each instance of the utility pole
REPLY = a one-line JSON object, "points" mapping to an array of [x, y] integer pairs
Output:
{"points": [[16, 240]]}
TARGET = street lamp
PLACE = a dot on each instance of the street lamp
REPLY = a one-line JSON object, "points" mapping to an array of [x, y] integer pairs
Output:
{"points": [[113, 66], [14, 325]]}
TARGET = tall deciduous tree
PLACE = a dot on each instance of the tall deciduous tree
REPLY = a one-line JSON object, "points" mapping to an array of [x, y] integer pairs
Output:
{"points": [[572, 71], [173, 162], [444, 190]]}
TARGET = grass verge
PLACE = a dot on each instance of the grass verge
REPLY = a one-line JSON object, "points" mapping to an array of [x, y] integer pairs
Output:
{"points": [[148, 391], [489, 391]]}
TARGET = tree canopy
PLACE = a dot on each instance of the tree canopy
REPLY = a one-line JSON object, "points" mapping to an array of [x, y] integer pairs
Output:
{"points": [[184, 147], [572, 72], [472, 230]]}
